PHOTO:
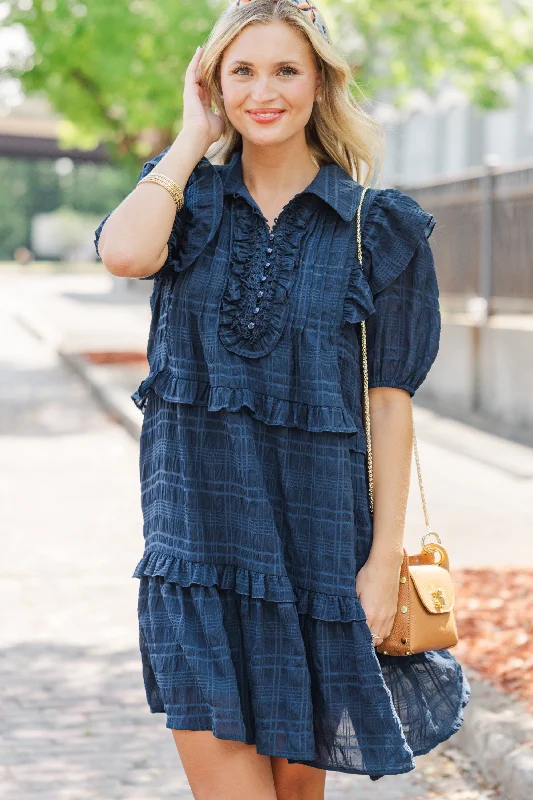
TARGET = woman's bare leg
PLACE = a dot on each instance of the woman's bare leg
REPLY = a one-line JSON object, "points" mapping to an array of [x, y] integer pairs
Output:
{"points": [[297, 781], [218, 769]]}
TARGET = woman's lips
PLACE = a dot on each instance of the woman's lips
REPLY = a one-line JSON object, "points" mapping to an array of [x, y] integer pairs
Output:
{"points": [[264, 118]]}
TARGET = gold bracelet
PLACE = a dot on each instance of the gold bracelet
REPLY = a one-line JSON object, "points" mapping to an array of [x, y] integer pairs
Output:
{"points": [[167, 183]]}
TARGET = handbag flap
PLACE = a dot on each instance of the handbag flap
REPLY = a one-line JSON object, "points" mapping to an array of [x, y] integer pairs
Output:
{"points": [[434, 587]]}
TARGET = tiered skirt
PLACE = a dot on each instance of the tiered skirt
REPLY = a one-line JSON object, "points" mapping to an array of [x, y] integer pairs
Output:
{"points": [[249, 622]]}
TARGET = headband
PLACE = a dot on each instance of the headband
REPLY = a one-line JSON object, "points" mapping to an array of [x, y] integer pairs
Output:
{"points": [[312, 13]]}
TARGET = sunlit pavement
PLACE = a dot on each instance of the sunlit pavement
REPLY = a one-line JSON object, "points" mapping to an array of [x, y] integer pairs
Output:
{"points": [[74, 719]]}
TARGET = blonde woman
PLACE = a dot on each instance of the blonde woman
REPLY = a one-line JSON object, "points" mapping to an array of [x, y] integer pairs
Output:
{"points": [[265, 583]]}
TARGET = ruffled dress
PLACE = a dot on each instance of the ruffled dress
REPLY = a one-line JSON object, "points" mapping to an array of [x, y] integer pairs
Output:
{"points": [[253, 472]]}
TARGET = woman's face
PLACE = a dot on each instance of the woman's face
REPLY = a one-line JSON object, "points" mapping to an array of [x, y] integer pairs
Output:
{"points": [[269, 68]]}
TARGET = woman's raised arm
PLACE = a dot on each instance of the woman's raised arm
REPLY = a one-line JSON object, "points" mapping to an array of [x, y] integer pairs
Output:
{"points": [[133, 241]]}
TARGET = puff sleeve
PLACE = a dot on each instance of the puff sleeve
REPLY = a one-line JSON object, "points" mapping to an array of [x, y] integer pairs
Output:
{"points": [[403, 334], [195, 223]]}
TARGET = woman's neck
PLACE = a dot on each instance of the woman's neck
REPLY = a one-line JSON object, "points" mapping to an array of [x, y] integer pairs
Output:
{"points": [[283, 170]]}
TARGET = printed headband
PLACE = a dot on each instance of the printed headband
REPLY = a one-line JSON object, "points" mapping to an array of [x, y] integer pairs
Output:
{"points": [[311, 11]]}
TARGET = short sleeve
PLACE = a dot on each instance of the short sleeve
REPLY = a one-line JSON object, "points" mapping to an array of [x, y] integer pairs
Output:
{"points": [[195, 223], [403, 334]]}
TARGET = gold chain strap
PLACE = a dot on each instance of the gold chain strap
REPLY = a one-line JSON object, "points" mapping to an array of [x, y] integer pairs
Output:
{"points": [[367, 402]]}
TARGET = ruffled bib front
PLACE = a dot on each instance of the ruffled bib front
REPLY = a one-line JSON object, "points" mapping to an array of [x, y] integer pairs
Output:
{"points": [[254, 306]]}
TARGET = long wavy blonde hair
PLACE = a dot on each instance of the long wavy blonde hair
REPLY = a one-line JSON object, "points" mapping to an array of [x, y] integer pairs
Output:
{"points": [[339, 130]]}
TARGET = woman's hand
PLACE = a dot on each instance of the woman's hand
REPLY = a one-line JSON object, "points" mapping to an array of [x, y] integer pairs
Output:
{"points": [[377, 587], [198, 116]]}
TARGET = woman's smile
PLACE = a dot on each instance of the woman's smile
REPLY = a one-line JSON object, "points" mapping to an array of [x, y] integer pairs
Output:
{"points": [[266, 115]]}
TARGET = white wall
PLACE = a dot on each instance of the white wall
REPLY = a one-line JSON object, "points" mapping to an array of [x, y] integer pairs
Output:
{"points": [[436, 138], [505, 372]]}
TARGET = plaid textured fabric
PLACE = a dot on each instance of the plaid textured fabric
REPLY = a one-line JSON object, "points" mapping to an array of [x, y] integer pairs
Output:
{"points": [[253, 476]]}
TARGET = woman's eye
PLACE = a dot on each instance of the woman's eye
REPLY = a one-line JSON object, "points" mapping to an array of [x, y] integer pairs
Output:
{"points": [[292, 71]]}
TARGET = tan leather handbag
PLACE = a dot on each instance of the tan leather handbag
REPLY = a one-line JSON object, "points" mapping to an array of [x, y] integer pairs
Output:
{"points": [[425, 618]]}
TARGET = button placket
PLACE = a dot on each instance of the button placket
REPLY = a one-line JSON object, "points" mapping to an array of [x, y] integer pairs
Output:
{"points": [[262, 271], [263, 278]]}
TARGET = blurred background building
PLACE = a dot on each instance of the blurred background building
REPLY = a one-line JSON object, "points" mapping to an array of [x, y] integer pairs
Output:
{"points": [[435, 139]]}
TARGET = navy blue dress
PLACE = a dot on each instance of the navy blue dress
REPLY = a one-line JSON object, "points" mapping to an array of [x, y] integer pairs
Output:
{"points": [[253, 472]]}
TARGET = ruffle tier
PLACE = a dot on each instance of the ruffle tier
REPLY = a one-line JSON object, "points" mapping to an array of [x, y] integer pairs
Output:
{"points": [[266, 408], [265, 672], [274, 588]]}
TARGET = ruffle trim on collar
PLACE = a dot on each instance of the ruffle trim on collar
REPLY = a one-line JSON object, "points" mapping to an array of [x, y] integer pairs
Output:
{"points": [[273, 588], [266, 408]]}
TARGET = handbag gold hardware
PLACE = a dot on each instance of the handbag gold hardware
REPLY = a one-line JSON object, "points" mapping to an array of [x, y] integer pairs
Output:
{"points": [[425, 618]]}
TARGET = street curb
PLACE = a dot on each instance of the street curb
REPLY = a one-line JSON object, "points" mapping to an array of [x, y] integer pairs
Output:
{"points": [[497, 730], [497, 733], [112, 399]]}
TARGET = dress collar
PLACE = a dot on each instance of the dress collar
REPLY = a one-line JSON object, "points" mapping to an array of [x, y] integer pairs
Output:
{"points": [[332, 183]]}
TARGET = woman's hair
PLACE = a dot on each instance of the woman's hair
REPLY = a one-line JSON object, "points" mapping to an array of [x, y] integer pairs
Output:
{"points": [[339, 130]]}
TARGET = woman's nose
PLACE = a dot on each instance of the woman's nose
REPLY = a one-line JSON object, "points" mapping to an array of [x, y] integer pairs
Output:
{"points": [[262, 90]]}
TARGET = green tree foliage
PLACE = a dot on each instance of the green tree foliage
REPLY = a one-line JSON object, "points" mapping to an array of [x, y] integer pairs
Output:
{"points": [[32, 186], [115, 68], [481, 46]]}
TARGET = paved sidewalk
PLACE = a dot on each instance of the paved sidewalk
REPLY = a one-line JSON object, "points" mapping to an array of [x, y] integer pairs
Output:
{"points": [[74, 722]]}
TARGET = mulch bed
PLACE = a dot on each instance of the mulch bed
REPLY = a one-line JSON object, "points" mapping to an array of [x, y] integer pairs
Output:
{"points": [[494, 615], [115, 357]]}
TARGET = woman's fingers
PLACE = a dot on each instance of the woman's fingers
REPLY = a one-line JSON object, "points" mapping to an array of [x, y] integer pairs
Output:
{"points": [[201, 92], [381, 626], [192, 68], [197, 101], [194, 100], [192, 73]]}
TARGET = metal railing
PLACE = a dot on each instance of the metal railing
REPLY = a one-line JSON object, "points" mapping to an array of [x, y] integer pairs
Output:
{"points": [[483, 237]]}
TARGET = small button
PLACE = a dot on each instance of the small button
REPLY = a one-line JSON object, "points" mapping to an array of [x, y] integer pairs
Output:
{"points": [[263, 277], [269, 249], [260, 294], [270, 235], [256, 309], [251, 324], [267, 264]]}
